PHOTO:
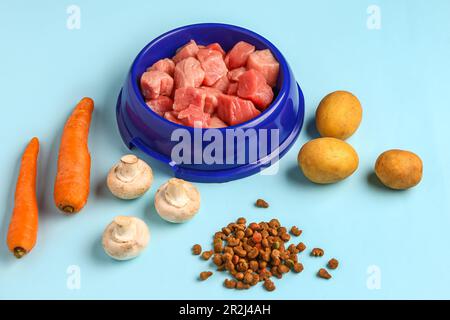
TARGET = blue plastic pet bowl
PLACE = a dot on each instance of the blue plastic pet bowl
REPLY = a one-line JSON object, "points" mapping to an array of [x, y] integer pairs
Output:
{"points": [[274, 131]]}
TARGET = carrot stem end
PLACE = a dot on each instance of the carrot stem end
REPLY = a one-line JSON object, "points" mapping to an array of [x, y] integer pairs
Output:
{"points": [[68, 209], [19, 252]]}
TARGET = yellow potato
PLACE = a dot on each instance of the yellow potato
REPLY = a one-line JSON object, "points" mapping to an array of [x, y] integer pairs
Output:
{"points": [[327, 160], [399, 169], [338, 115]]}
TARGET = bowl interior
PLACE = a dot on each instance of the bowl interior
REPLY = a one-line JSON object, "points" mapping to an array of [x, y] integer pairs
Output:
{"points": [[226, 35]]}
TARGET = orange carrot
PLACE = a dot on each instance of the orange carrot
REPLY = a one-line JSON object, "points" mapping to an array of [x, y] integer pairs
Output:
{"points": [[74, 161], [23, 228]]}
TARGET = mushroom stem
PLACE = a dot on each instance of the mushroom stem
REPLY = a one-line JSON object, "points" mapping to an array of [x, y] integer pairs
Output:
{"points": [[176, 194], [128, 168], [124, 230], [125, 237]]}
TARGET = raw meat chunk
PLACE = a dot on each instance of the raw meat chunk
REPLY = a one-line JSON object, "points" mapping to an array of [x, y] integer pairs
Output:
{"points": [[188, 73], [161, 105], [222, 84], [205, 86], [215, 122], [232, 89], [213, 65], [165, 65], [194, 116], [190, 49], [233, 110], [211, 99], [237, 57], [173, 117], [216, 46], [264, 62], [233, 75], [187, 96], [253, 86], [155, 83]]}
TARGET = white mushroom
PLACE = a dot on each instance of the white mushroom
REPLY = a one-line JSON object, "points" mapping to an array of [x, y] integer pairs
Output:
{"points": [[177, 200], [130, 178], [125, 237]]}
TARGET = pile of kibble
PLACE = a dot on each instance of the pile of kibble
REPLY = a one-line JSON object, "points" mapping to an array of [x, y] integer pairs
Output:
{"points": [[254, 253]]}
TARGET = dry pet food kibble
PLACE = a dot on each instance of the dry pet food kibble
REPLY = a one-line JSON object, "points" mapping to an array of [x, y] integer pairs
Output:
{"points": [[197, 249], [333, 264], [298, 267], [317, 252], [205, 275], [260, 203], [241, 286], [255, 252], [296, 231], [323, 274], [230, 284], [207, 254], [269, 285], [301, 247]]}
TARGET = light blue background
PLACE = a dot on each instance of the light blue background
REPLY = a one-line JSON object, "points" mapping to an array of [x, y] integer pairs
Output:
{"points": [[400, 73]]}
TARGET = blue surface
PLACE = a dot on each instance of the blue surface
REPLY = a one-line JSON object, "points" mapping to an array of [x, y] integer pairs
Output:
{"points": [[140, 127], [399, 72]]}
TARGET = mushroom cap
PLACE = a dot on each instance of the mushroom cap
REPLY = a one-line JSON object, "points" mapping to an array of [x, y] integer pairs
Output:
{"points": [[133, 240], [177, 200], [134, 182]]}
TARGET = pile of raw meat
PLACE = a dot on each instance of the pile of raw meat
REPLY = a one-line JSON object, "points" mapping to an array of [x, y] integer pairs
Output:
{"points": [[203, 86]]}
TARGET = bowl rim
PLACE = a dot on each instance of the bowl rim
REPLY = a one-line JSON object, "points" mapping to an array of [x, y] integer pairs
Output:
{"points": [[285, 83]]}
